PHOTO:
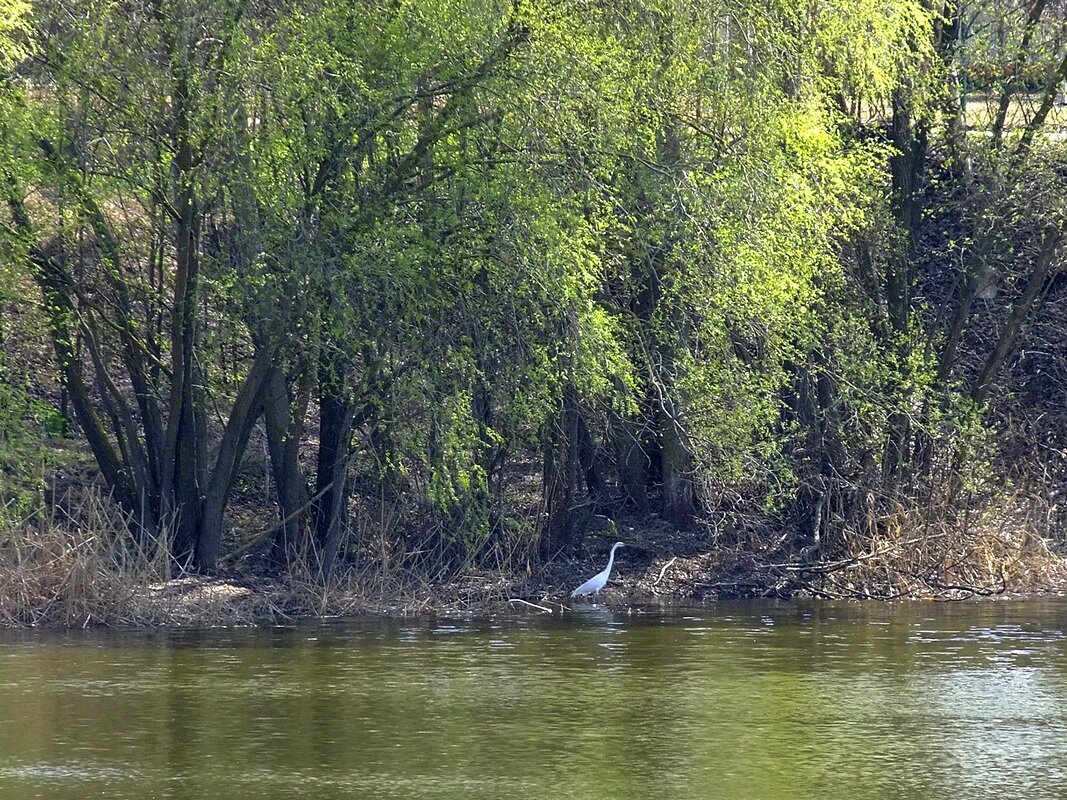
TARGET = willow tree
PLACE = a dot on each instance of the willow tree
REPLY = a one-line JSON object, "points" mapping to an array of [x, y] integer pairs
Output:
{"points": [[391, 238], [440, 247], [727, 202], [132, 115], [16, 444], [996, 224], [1019, 53]]}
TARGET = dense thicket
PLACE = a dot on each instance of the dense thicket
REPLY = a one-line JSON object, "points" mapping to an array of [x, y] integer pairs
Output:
{"points": [[477, 271]]}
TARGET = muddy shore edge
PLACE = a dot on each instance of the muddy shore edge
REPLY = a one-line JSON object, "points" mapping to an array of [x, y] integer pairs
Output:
{"points": [[640, 580]]}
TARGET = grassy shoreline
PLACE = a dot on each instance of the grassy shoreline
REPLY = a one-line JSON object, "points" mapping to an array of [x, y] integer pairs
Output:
{"points": [[83, 571]]}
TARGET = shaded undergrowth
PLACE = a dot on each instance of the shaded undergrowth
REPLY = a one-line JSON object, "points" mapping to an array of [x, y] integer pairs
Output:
{"points": [[80, 566]]}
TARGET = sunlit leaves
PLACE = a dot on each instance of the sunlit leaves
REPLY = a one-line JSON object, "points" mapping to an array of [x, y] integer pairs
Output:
{"points": [[471, 210]]}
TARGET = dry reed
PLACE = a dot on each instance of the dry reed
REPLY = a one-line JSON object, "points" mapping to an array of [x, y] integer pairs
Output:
{"points": [[79, 565]]}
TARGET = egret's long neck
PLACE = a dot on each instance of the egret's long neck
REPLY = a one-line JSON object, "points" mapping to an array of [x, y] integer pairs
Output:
{"points": [[611, 559]]}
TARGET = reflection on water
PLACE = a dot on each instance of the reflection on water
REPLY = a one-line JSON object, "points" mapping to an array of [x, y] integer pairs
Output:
{"points": [[736, 700]]}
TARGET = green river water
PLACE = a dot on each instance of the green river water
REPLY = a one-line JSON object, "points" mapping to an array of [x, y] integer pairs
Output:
{"points": [[732, 700]]}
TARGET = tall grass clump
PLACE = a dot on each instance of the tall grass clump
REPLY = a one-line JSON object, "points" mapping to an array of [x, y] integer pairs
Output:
{"points": [[77, 565]]}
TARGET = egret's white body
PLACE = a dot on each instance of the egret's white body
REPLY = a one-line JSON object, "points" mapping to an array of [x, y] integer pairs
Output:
{"points": [[596, 583]]}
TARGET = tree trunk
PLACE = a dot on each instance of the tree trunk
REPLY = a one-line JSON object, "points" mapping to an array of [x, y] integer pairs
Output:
{"points": [[1010, 333], [183, 455], [54, 283], [679, 506], [560, 477], [1016, 68], [336, 415], [284, 430], [906, 167], [234, 440]]}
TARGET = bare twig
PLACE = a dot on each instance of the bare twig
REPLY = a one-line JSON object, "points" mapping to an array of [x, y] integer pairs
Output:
{"points": [[531, 605], [663, 571]]}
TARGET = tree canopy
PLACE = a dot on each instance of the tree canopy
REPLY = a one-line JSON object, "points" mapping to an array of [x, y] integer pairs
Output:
{"points": [[472, 272]]}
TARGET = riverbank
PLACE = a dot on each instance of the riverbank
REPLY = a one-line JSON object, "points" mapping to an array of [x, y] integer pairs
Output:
{"points": [[74, 563], [55, 575]]}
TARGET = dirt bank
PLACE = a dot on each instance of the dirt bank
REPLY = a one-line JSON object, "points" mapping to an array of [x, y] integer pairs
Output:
{"points": [[82, 570], [643, 575]]}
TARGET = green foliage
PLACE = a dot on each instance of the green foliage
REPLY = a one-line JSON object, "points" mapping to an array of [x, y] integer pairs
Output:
{"points": [[25, 422], [14, 27], [473, 222]]}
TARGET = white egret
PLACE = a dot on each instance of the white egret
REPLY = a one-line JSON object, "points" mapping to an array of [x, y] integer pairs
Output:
{"points": [[596, 583]]}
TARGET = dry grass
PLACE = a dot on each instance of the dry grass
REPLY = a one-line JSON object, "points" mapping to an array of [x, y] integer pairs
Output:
{"points": [[75, 569], [908, 553], [981, 110], [79, 566], [991, 553]]}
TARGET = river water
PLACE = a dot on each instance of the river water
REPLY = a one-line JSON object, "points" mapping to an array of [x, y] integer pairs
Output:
{"points": [[733, 700]]}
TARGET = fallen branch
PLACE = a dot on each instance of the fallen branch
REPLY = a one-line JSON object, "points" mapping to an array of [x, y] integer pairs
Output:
{"points": [[663, 571], [274, 528], [531, 605], [969, 591]]}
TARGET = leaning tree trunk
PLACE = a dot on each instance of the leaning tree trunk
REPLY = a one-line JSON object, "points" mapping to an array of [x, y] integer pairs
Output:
{"points": [[234, 440], [1009, 334]]}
